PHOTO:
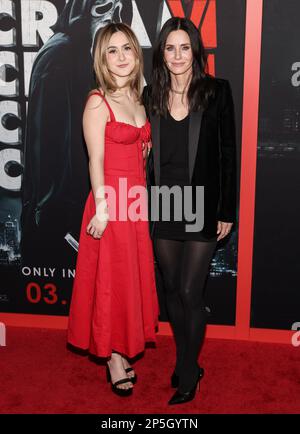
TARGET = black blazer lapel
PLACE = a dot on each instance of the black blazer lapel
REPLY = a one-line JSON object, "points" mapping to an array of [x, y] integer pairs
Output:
{"points": [[155, 131], [194, 132]]}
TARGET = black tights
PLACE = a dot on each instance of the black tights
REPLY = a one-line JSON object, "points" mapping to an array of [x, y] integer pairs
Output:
{"points": [[184, 266]]}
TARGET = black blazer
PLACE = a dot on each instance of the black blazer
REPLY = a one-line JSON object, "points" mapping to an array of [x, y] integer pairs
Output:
{"points": [[211, 152]]}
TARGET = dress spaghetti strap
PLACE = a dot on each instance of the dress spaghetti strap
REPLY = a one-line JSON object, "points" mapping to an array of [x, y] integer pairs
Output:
{"points": [[112, 116]]}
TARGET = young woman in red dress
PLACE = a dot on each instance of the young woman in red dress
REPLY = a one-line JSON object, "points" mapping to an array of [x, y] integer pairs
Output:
{"points": [[114, 308]]}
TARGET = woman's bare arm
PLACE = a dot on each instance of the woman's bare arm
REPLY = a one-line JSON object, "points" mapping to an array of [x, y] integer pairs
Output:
{"points": [[95, 117]]}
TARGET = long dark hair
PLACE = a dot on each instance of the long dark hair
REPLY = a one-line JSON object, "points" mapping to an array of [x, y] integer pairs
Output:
{"points": [[201, 85]]}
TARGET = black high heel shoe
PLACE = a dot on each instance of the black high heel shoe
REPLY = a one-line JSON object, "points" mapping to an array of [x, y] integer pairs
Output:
{"points": [[117, 390], [175, 378], [182, 397]]}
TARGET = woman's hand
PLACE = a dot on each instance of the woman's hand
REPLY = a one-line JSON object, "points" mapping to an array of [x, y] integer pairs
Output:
{"points": [[98, 223], [97, 226], [146, 148], [223, 229]]}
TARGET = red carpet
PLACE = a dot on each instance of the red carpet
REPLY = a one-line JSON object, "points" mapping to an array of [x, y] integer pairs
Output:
{"points": [[39, 375]]}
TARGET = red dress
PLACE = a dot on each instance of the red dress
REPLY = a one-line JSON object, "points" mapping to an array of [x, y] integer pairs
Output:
{"points": [[114, 302]]}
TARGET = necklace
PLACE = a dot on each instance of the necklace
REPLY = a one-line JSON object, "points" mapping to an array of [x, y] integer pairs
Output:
{"points": [[178, 92]]}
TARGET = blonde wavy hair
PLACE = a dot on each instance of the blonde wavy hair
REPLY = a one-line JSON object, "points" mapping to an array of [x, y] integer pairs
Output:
{"points": [[104, 78]]}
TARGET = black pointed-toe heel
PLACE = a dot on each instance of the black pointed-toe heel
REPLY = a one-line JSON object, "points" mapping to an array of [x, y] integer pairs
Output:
{"points": [[182, 397], [175, 378], [117, 390], [132, 379]]}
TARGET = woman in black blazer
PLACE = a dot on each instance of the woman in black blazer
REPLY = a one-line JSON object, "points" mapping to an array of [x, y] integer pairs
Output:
{"points": [[193, 145]]}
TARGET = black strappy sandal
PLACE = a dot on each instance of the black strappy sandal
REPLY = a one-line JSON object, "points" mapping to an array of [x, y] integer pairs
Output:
{"points": [[132, 379], [117, 390]]}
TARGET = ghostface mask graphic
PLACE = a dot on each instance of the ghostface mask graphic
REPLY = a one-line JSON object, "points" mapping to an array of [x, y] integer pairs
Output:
{"points": [[104, 12]]}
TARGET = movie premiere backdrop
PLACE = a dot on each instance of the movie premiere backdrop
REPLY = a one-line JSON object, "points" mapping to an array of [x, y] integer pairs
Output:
{"points": [[46, 73]]}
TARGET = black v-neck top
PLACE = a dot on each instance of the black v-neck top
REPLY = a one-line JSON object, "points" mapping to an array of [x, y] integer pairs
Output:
{"points": [[174, 149], [174, 170]]}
